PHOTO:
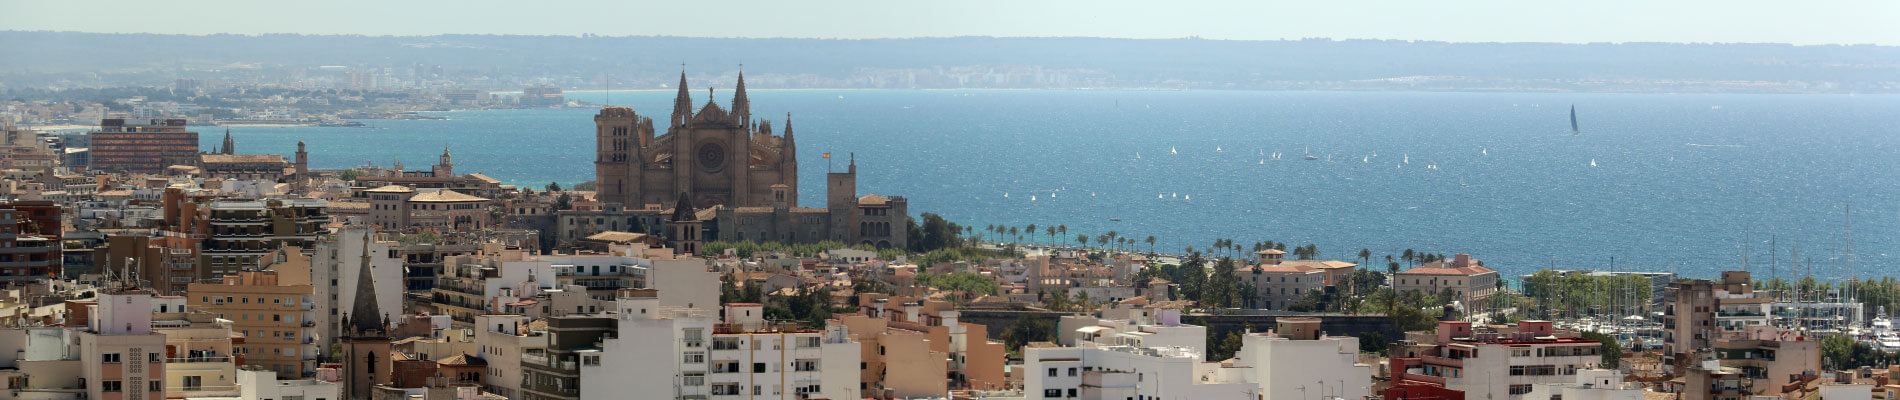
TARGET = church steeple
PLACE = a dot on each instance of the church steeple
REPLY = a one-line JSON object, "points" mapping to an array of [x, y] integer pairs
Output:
{"points": [[229, 145], [741, 108], [363, 320], [682, 103]]}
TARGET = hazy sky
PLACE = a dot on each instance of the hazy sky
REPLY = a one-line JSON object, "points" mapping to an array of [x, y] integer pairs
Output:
{"points": [[1798, 22]]}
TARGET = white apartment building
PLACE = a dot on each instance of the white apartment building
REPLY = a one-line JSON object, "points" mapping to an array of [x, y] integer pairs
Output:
{"points": [[1295, 362], [503, 338], [667, 353], [1596, 384], [1133, 326], [1505, 364], [1123, 372]]}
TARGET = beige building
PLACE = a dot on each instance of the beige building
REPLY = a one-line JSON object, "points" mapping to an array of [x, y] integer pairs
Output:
{"points": [[1468, 280], [199, 357], [277, 321], [906, 342], [396, 207], [1279, 286]]}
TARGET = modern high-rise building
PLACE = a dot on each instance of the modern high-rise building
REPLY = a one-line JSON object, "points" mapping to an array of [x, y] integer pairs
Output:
{"points": [[142, 146], [278, 320], [29, 242]]}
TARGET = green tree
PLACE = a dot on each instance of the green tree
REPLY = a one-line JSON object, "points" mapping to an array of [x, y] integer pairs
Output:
{"points": [[1031, 230], [1028, 329], [1612, 352], [554, 186], [1372, 342], [1151, 244], [349, 174]]}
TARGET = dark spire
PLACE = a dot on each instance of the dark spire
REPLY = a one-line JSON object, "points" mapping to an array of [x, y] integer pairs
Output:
{"points": [[229, 145], [741, 108], [365, 313], [683, 211], [682, 103]]}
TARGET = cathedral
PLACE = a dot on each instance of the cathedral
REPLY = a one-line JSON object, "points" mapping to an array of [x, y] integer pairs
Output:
{"points": [[735, 171], [717, 156]]}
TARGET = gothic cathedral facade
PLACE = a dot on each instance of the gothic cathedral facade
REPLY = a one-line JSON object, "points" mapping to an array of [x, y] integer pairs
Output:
{"points": [[716, 156]]}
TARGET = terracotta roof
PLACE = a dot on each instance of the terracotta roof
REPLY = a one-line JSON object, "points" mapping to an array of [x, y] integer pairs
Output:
{"points": [[444, 196], [349, 205], [462, 360], [1279, 268], [391, 189], [1270, 251], [617, 236], [1321, 264], [872, 200], [483, 178], [1436, 269]]}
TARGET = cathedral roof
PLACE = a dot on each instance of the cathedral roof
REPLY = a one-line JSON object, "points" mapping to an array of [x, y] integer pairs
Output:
{"points": [[711, 112], [873, 200]]}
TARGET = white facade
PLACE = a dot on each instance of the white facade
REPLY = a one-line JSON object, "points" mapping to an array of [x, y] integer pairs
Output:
{"points": [[1603, 384], [263, 385], [664, 352], [333, 275], [1133, 327], [1287, 369], [502, 339], [1121, 372], [685, 282]]}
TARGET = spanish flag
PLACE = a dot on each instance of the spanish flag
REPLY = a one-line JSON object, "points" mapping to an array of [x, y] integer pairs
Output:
{"points": [[827, 156]]}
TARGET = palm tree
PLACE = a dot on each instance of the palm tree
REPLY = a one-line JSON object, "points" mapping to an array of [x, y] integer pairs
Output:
{"points": [[1102, 241], [1062, 229], [1392, 278], [1031, 230], [1052, 234], [1082, 240], [1365, 256], [1015, 233], [1151, 244], [1408, 255]]}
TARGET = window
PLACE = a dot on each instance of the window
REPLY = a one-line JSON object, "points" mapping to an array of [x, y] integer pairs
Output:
{"points": [[694, 379], [1052, 393], [110, 386], [109, 358], [1052, 372], [192, 382], [156, 386], [758, 368], [1071, 392], [809, 342], [1071, 371], [695, 358]]}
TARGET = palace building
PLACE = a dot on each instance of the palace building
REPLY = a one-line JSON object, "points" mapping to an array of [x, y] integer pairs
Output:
{"points": [[733, 170]]}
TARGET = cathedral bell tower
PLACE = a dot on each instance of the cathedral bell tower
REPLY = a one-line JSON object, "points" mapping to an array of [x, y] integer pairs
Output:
{"points": [[366, 344], [686, 227]]}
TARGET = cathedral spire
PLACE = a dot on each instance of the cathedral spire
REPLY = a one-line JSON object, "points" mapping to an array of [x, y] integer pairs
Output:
{"points": [[364, 313], [229, 145], [741, 108], [682, 103]]}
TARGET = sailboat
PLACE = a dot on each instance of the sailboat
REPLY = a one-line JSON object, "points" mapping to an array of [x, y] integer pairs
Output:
{"points": [[1573, 122], [1408, 158], [1032, 198], [1137, 155], [1189, 197], [1309, 154], [1005, 195], [1217, 149], [1593, 162], [1171, 150], [1365, 159], [1481, 151]]}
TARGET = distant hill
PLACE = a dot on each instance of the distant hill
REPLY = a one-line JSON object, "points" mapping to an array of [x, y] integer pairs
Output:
{"points": [[33, 59]]}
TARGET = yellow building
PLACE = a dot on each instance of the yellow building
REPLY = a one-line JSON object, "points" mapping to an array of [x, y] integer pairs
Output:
{"points": [[198, 355], [276, 320]]}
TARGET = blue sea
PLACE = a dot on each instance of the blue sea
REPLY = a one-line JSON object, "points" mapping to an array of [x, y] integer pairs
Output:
{"points": [[1688, 183]]}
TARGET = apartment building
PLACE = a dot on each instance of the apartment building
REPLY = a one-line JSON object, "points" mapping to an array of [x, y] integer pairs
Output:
{"points": [[1501, 363], [738, 356], [278, 321]]}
